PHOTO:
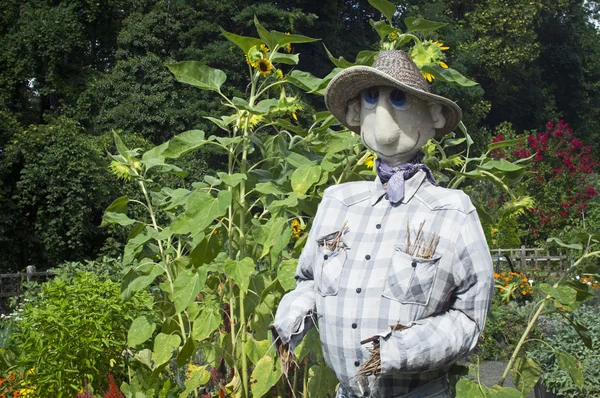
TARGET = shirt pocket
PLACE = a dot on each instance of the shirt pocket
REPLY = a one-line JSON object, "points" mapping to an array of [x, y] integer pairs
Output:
{"points": [[410, 279], [328, 271]]}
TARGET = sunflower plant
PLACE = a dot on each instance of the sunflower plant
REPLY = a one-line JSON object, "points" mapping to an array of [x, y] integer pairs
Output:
{"points": [[220, 254]]}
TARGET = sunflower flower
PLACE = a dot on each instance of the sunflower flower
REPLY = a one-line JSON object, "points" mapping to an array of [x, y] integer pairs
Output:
{"points": [[370, 161], [264, 49], [296, 228], [288, 46], [264, 67], [429, 53]]}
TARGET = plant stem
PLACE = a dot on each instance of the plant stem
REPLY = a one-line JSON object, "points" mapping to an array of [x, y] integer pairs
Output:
{"points": [[305, 380]]}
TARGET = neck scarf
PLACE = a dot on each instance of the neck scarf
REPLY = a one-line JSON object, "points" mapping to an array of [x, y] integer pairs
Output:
{"points": [[396, 176]]}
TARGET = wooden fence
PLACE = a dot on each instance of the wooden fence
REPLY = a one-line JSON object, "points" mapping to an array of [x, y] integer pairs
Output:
{"points": [[524, 259], [11, 284]]}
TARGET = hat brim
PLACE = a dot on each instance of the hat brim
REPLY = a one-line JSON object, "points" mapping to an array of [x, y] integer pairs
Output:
{"points": [[348, 84]]}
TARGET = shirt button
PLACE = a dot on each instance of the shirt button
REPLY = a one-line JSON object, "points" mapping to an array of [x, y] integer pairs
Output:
{"points": [[367, 257], [325, 257], [354, 326], [414, 264], [356, 363], [378, 226], [358, 290]]}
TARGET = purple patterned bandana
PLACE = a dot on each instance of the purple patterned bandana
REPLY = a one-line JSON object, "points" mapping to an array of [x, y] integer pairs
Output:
{"points": [[397, 175]]}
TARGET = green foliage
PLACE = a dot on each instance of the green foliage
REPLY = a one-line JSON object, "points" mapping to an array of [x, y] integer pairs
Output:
{"points": [[55, 186], [559, 335], [508, 233], [75, 330], [504, 326]]}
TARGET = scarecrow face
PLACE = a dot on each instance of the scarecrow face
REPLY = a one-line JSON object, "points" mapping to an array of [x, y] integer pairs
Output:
{"points": [[394, 124]]}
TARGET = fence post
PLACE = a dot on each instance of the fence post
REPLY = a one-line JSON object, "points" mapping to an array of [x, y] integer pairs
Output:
{"points": [[30, 269], [523, 254]]}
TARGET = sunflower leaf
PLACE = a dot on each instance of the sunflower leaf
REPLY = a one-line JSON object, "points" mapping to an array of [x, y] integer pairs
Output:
{"points": [[448, 75]]}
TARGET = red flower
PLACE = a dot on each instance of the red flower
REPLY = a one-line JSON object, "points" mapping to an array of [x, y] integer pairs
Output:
{"points": [[550, 125], [498, 138], [591, 191], [113, 390], [576, 143]]}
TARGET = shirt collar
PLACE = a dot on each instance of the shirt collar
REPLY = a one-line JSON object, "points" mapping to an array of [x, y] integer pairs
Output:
{"points": [[410, 188]]}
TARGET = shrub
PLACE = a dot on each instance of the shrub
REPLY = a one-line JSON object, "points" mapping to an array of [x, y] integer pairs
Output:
{"points": [[76, 329], [560, 335], [504, 326]]}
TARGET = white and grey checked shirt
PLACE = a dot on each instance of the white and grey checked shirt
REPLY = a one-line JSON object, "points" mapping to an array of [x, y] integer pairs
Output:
{"points": [[370, 284]]}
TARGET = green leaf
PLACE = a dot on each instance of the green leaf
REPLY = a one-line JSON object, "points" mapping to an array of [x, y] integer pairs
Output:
{"points": [[186, 287], [572, 365], [265, 106], [382, 28], [448, 75], [583, 332], [525, 374], [208, 248], [206, 323], [121, 148], [201, 210], [310, 343], [243, 42], [140, 331], [197, 378], [339, 62], [256, 349], [286, 274], [132, 282], [504, 392], [268, 188], [385, 7], [145, 357], [198, 75], [297, 160], [264, 34], [223, 122], [232, 180], [283, 39], [272, 234], [575, 246], [186, 352], [467, 388], [305, 177], [287, 59], [265, 375], [422, 25], [116, 218], [321, 381], [504, 144], [239, 271], [184, 143], [164, 345], [565, 295]]}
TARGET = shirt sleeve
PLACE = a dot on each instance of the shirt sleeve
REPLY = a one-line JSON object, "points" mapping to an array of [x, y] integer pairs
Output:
{"points": [[437, 341], [297, 309]]}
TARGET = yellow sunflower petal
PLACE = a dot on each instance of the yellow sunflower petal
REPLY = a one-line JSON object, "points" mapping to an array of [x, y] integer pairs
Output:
{"points": [[443, 65]]}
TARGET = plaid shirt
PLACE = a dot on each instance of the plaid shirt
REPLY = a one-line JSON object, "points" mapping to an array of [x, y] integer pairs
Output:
{"points": [[368, 284]]}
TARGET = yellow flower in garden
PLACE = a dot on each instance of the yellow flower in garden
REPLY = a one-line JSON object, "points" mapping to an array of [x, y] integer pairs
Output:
{"points": [[429, 54], [264, 48], [296, 228], [191, 368], [440, 45], [264, 67], [294, 116], [393, 36], [370, 161], [279, 74], [288, 46]]}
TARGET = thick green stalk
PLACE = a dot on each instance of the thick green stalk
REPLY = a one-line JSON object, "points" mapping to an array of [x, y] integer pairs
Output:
{"points": [[162, 253]]}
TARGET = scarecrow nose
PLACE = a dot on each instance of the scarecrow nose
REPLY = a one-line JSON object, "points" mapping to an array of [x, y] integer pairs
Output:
{"points": [[387, 131]]}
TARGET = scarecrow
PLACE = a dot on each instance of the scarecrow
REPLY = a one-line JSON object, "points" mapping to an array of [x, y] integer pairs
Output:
{"points": [[396, 273]]}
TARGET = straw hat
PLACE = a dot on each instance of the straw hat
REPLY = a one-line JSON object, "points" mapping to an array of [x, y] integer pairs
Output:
{"points": [[391, 68]]}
